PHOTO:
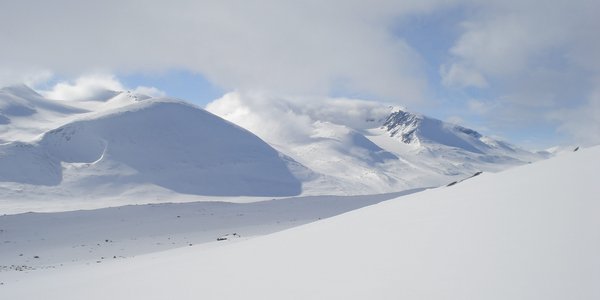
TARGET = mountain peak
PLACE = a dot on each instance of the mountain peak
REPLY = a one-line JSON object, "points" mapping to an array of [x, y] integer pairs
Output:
{"points": [[403, 125], [418, 129]]}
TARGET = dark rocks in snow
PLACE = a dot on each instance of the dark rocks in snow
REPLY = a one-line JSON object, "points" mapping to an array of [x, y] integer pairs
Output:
{"points": [[455, 182], [476, 174], [227, 236]]}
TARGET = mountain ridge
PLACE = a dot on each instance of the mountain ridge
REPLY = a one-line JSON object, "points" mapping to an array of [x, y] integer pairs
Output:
{"points": [[130, 142]]}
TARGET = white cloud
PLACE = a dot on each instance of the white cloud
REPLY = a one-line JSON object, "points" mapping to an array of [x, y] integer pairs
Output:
{"points": [[94, 87], [149, 91], [87, 87], [458, 75], [530, 58], [260, 114], [455, 120], [536, 58], [30, 77], [292, 47], [479, 107], [581, 123], [293, 119]]}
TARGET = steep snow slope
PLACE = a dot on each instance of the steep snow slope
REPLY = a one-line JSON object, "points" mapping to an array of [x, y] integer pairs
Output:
{"points": [[526, 233], [161, 142], [368, 146]]}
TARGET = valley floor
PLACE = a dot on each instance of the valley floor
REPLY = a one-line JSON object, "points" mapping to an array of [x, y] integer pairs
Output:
{"points": [[34, 242]]}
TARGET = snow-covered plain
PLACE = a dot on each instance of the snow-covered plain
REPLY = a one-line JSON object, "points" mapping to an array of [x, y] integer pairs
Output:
{"points": [[37, 241], [527, 233]]}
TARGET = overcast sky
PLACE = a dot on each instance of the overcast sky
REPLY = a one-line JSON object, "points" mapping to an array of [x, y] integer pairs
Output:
{"points": [[528, 71]]}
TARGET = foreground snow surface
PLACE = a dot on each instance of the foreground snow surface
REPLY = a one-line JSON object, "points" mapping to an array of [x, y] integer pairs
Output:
{"points": [[528, 233]]}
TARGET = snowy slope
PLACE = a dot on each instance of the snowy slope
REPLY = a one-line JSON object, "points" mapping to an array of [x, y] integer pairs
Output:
{"points": [[527, 233], [24, 113], [369, 147]]}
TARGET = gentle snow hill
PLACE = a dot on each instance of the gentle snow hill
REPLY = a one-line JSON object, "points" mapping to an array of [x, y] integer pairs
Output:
{"points": [[161, 142], [531, 232]]}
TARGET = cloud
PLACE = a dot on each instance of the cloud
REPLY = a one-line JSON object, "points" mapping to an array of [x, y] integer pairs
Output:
{"points": [[86, 87], [149, 91], [290, 47], [28, 76], [581, 123], [532, 61], [529, 59], [294, 119], [93, 87], [263, 116], [457, 75], [479, 107]]}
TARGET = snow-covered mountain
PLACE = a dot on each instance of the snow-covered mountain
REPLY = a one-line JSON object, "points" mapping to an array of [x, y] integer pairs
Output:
{"points": [[133, 148], [366, 147], [127, 142]]}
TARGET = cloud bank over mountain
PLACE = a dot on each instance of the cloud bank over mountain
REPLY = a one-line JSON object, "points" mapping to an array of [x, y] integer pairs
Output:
{"points": [[527, 62]]}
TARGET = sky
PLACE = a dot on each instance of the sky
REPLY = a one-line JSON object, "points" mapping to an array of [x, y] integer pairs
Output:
{"points": [[526, 71]]}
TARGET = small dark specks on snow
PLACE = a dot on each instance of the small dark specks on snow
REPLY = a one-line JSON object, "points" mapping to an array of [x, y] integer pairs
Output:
{"points": [[36, 256]]}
